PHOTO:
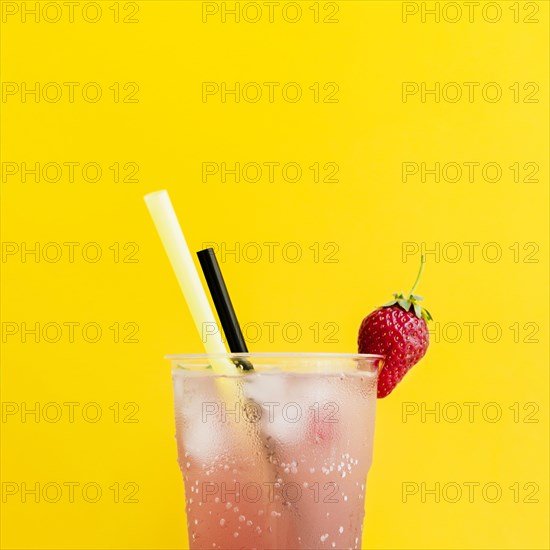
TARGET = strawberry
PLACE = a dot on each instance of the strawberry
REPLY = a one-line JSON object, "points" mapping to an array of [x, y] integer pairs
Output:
{"points": [[397, 330]]}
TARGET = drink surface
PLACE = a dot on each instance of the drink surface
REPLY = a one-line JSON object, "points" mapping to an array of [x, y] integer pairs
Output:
{"points": [[275, 460]]}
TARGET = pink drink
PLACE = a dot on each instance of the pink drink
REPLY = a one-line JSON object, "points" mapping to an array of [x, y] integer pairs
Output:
{"points": [[276, 458]]}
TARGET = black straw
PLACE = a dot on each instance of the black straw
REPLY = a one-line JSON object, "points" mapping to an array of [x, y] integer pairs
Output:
{"points": [[222, 302]]}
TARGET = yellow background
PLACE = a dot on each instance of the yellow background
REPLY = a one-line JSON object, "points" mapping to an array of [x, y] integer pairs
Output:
{"points": [[369, 213]]}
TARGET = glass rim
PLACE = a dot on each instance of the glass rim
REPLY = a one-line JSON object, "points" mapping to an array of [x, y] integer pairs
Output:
{"points": [[274, 354], [273, 363]]}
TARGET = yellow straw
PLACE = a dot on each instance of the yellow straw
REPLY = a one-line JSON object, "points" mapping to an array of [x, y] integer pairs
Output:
{"points": [[165, 219], [172, 238]]}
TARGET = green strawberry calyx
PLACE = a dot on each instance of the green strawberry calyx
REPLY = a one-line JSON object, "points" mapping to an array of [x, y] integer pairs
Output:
{"points": [[411, 299]]}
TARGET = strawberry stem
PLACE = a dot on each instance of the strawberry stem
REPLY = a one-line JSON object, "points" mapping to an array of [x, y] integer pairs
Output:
{"points": [[422, 262]]}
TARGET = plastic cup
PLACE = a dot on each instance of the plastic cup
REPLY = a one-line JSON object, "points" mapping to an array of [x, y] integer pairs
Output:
{"points": [[281, 460]]}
